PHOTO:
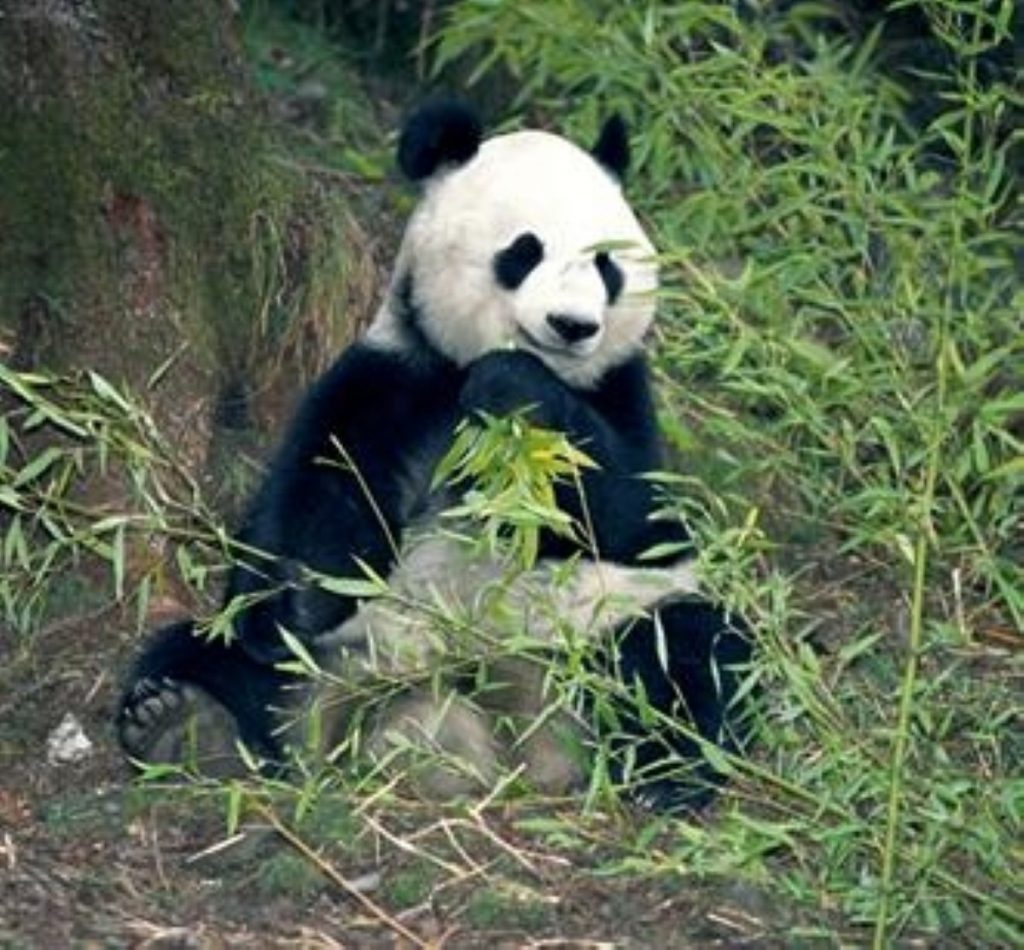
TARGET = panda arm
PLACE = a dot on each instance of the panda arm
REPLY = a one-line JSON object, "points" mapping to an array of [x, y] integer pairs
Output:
{"points": [[614, 423], [312, 511]]}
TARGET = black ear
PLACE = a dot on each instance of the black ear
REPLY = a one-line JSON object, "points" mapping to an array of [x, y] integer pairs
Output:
{"points": [[612, 147], [439, 133]]}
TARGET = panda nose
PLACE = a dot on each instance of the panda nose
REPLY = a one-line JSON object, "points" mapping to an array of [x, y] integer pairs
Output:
{"points": [[572, 329]]}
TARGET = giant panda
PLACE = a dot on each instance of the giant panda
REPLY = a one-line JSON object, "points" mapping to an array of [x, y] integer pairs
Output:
{"points": [[524, 284]]}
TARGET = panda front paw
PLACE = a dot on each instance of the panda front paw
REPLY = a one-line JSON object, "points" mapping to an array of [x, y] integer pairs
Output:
{"points": [[508, 381]]}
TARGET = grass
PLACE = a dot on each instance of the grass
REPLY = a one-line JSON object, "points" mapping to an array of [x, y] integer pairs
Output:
{"points": [[839, 355]]}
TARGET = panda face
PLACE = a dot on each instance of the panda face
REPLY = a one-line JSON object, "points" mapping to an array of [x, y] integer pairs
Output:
{"points": [[558, 306], [529, 243]]}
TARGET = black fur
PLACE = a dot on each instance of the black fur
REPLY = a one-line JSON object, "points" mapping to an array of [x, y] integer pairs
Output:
{"points": [[611, 275], [440, 133], [612, 147], [690, 674], [389, 417], [512, 265]]}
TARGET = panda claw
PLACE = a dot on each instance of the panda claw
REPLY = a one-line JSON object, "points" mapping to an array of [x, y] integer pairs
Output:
{"points": [[149, 687], [172, 694], [149, 710]]}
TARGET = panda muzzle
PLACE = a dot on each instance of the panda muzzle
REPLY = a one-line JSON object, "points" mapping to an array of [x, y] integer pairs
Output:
{"points": [[572, 329]]}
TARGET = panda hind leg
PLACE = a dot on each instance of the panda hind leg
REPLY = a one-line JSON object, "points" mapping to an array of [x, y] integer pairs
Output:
{"points": [[689, 659], [441, 744], [537, 733], [190, 701]]}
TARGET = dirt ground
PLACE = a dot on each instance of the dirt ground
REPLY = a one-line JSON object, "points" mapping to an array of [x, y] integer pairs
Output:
{"points": [[88, 858]]}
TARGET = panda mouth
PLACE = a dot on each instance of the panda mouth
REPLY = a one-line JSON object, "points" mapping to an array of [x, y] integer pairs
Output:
{"points": [[571, 350]]}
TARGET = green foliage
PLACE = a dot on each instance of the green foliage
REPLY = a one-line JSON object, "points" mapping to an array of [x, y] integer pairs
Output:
{"points": [[508, 907], [821, 260], [409, 888], [311, 80], [61, 440], [839, 356], [840, 350], [511, 468]]}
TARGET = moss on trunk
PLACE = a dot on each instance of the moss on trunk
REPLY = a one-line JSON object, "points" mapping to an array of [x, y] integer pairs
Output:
{"points": [[148, 228]]}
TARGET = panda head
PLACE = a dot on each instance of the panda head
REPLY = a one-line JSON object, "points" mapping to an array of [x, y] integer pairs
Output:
{"points": [[522, 240]]}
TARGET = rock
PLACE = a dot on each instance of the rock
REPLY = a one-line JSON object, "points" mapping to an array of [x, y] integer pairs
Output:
{"points": [[68, 742]]}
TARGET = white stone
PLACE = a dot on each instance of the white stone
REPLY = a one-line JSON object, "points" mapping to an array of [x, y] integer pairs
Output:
{"points": [[68, 742]]}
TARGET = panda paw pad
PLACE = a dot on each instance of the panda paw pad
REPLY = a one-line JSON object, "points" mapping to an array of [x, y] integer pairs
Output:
{"points": [[169, 722]]}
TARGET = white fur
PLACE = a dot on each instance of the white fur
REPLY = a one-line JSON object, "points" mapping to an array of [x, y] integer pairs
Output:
{"points": [[542, 183], [445, 599]]}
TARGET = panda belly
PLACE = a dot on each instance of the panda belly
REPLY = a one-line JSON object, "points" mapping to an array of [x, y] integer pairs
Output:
{"points": [[439, 577], [452, 678]]}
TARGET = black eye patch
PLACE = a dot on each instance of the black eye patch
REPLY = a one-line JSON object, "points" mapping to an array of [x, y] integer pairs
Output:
{"points": [[513, 264], [611, 275]]}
